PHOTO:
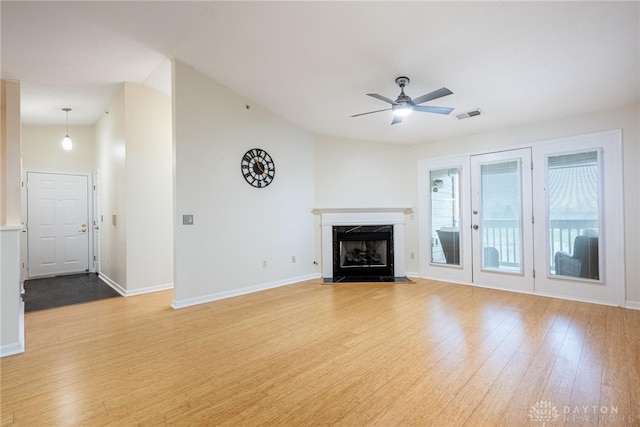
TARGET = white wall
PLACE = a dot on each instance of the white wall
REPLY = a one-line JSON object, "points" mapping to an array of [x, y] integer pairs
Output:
{"points": [[362, 174], [352, 174], [626, 118], [42, 149], [110, 159], [134, 158], [236, 227], [10, 173], [149, 185], [11, 306]]}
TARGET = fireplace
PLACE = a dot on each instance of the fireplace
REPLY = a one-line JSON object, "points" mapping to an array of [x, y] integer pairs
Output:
{"points": [[362, 244], [363, 253]]}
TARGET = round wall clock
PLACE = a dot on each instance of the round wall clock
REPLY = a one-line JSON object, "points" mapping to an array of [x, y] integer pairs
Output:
{"points": [[258, 168]]}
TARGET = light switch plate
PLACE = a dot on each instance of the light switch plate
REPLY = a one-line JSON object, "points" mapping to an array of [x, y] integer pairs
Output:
{"points": [[187, 219]]}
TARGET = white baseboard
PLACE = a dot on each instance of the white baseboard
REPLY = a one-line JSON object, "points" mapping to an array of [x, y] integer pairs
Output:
{"points": [[128, 293], [188, 302], [12, 349], [629, 304], [18, 346], [149, 289], [106, 279], [633, 305]]}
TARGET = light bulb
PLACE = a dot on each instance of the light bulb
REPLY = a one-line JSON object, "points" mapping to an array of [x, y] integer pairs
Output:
{"points": [[67, 144], [403, 110]]}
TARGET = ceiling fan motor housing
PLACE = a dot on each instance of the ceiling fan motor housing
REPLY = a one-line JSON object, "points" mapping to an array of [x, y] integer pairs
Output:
{"points": [[402, 81], [402, 98]]}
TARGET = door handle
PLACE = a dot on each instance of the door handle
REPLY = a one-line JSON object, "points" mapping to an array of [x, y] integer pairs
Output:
{"points": [[475, 226]]}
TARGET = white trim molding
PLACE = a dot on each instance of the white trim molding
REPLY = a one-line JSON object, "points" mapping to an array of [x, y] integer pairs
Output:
{"points": [[18, 346], [11, 305], [129, 293], [188, 302], [633, 305], [362, 216]]}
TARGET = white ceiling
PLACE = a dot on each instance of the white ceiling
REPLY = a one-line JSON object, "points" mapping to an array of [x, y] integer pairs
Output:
{"points": [[313, 62]]}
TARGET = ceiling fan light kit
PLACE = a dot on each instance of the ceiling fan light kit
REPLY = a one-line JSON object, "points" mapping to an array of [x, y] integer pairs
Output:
{"points": [[404, 105]]}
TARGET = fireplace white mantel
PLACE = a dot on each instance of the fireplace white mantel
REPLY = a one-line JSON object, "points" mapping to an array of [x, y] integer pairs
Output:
{"points": [[331, 217]]}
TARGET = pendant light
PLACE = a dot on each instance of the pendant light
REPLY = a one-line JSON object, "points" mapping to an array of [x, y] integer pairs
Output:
{"points": [[67, 144]]}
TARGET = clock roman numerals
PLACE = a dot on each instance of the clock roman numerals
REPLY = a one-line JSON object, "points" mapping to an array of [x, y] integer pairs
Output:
{"points": [[258, 168]]}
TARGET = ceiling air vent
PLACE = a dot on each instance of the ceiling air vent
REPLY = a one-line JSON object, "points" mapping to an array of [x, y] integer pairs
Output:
{"points": [[468, 114]]}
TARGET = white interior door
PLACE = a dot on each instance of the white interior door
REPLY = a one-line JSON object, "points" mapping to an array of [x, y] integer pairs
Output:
{"points": [[501, 220], [57, 224]]}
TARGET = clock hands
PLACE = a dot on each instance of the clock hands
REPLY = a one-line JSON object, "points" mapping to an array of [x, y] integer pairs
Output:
{"points": [[258, 168], [261, 167]]}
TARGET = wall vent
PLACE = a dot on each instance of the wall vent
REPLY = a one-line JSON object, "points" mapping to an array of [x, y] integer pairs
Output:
{"points": [[470, 113]]}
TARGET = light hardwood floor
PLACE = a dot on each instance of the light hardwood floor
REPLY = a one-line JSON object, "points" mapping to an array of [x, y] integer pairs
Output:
{"points": [[390, 354]]}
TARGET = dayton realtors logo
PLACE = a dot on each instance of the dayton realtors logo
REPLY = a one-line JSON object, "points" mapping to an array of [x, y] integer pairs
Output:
{"points": [[544, 412]]}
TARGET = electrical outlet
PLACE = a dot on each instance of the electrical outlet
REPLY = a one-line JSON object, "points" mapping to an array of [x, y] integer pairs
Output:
{"points": [[187, 219], [413, 255], [264, 263], [293, 259]]}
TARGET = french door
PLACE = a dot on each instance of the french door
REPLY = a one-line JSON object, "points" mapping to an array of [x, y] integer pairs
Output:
{"points": [[546, 219], [501, 219], [579, 218]]}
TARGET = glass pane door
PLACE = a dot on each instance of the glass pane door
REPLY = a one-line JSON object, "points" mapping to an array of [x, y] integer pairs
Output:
{"points": [[445, 211], [579, 223], [501, 219], [572, 200], [445, 216]]}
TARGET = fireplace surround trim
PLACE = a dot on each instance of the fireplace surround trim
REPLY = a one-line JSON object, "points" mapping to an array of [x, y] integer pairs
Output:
{"points": [[362, 216]]}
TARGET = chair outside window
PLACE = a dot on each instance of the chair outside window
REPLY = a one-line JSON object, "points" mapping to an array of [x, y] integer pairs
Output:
{"points": [[450, 241], [584, 261]]}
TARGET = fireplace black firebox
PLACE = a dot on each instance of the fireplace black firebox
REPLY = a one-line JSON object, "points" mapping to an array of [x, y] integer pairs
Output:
{"points": [[363, 253]]}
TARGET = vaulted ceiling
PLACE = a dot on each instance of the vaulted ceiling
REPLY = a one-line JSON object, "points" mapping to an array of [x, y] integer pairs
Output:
{"points": [[314, 62]]}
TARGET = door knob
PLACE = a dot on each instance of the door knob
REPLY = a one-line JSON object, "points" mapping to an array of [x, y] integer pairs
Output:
{"points": [[475, 226]]}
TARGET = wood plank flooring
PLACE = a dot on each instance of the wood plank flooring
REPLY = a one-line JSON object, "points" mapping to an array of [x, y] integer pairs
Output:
{"points": [[311, 354]]}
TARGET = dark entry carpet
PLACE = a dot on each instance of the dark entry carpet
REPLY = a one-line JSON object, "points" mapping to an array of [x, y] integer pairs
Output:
{"points": [[50, 292]]}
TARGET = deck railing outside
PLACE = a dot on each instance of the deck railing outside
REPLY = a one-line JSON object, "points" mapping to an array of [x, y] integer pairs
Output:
{"points": [[504, 235]]}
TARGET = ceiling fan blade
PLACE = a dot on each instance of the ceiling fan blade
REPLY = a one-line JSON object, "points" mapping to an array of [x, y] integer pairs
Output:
{"points": [[430, 109], [371, 112], [381, 98], [443, 91], [396, 119]]}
